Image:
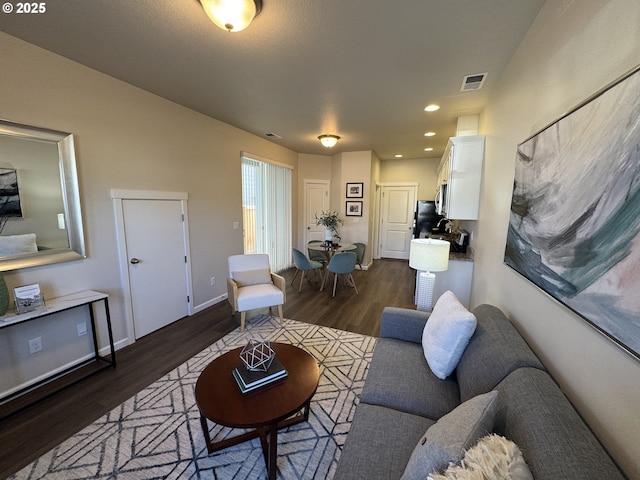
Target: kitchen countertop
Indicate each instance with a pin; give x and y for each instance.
(464, 257)
(454, 255)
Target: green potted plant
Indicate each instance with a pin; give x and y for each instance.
(330, 220)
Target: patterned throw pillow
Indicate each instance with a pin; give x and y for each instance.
(492, 457)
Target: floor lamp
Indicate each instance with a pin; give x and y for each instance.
(427, 255)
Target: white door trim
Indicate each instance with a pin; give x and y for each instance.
(118, 195)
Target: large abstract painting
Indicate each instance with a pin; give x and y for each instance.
(574, 227)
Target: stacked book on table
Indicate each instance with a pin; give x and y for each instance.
(249, 380)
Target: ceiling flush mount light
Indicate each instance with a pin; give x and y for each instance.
(429, 134)
(428, 149)
(432, 108)
(328, 140)
(232, 15)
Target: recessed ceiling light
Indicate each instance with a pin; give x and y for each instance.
(429, 134)
(432, 108)
(398, 155)
(428, 149)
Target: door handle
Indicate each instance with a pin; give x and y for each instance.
(135, 261)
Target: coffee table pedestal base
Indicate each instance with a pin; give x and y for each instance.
(268, 438)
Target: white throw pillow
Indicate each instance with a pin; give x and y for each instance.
(18, 244)
(445, 441)
(492, 457)
(446, 334)
(245, 278)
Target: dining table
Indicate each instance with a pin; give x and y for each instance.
(330, 250)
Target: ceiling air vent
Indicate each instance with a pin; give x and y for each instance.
(473, 82)
(272, 135)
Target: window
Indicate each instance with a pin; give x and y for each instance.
(266, 209)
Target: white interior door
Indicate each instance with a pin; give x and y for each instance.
(157, 262)
(316, 196)
(396, 220)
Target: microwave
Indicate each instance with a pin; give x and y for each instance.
(441, 200)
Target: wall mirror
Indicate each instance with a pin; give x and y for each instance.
(40, 216)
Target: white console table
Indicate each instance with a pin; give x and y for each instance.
(60, 304)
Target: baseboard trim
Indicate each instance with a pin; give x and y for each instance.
(210, 303)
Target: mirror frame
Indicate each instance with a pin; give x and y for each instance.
(70, 198)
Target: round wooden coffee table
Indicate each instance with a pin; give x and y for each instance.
(266, 409)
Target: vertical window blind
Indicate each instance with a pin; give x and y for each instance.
(266, 208)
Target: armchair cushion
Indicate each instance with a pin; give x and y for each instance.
(245, 278)
(259, 296)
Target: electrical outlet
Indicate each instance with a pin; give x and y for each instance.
(213, 281)
(236, 225)
(35, 345)
(81, 328)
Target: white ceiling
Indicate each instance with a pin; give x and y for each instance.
(362, 69)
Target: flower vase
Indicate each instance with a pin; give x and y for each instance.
(328, 236)
(4, 297)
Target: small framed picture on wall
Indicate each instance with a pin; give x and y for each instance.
(355, 190)
(354, 209)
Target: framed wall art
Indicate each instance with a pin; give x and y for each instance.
(574, 225)
(354, 209)
(355, 190)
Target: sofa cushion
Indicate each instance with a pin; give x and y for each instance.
(555, 442)
(447, 440)
(379, 443)
(446, 334)
(492, 457)
(495, 350)
(400, 378)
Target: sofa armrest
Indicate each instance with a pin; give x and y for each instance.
(403, 324)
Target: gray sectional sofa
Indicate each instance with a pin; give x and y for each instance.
(401, 398)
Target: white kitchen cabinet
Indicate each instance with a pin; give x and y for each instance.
(461, 171)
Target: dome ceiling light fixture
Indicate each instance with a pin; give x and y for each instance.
(328, 140)
(232, 15)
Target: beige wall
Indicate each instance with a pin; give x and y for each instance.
(423, 170)
(571, 51)
(126, 138)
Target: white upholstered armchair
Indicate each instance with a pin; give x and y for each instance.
(251, 285)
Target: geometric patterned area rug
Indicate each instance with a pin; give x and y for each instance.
(157, 433)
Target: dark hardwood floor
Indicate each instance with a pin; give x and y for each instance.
(31, 432)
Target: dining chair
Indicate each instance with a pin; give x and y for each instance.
(303, 264)
(252, 285)
(360, 248)
(317, 255)
(342, 263)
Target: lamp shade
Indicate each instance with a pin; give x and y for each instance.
(429, 255)
(232, 15)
